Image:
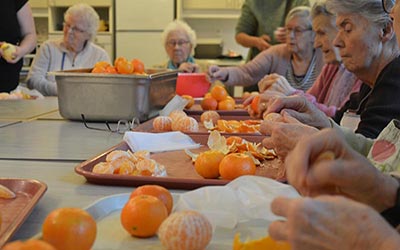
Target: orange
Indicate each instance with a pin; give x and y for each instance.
(190, 99)
(138, 66)
(124, 67)
(235, 165)
(227, 104)
(177, 114)
(209, 104)
(210, 115)
(207, 163)
(98, 70)
(157, 191)
(110, 70)
(32, 244)
(69, 229)
(254, 103)
(207, 95)
(162, 123)
(263, 243)
(218, 92)
(119, 59)
(142, 215)
(102, 64)
(185, 124)
(185, 230)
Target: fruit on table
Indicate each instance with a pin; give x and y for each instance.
(157, 191)
(226, 104)
(235, 165)
(185, 124)
(32, 244)
(8, 51)
(209, 103)
(185, 230)
(190, 101)
(177, 114)
(263, 243)
(142, 215)
(210, 115)
(69, 229)
(207, 163)
(162, 123)
(219, 93)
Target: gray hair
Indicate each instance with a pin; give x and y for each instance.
(299, 11)
(319, 9)
(87, 14)
(179, 25)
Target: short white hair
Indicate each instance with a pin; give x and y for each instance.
(87, 15)
(300, 11)
(179, 25)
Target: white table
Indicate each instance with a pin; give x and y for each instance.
(27, 109)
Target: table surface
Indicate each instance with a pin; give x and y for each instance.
(27, 109)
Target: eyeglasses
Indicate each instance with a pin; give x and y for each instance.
(73, 28)
(173, 43)
(122, 125)
(297, 31)
(388, 5)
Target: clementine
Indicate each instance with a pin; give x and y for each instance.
(124, 67)
(142, 215)
(138, 66)
(190, 99)
(110, 70)
(102, 64)
(218, 92)
(227, 104)
(185, 124)
(98, 70)
(209, 104)
(207, 163)
(254, 103)
(185, 230)
(177, 114)
(32, 244)
(210, 115)
(162, 123)
(69, 229)
(157, 191)
(235, 165)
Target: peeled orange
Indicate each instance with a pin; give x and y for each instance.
(29, 245)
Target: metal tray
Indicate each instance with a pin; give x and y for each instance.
(111, 235)
(15, 211)
(179, 166)
(113, 97)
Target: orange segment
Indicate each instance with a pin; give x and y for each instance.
(263, 243)
(6, 193)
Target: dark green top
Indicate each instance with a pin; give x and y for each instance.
(260, 17)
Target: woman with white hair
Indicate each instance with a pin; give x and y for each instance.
(297, 59)
(75, 50)
(179, 41)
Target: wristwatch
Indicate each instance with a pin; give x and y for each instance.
(392, 215)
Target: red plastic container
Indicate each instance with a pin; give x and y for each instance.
(193, 84)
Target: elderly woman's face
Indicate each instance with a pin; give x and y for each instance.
(325, 32)
(75, 34)
(358, 42)
(178, 46)
(299, 35)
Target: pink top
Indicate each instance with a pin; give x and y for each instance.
(332, 88)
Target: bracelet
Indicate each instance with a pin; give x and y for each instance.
(392, 215)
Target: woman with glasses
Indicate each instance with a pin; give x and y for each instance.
(297, 60)
(18, 28)
(334, 85)
(75, 50)
(179, 41)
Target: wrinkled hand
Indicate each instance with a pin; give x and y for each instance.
(349, 174)
(265, 99)
(301, 109)
(275, 82)
(262, 42)
(280, 34)
(331, 223)
(189, 67)
(216, 73)
(283, 136)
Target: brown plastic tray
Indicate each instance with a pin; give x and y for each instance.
(15, 211)
(179, 166)
(148, 125)
(238, 111)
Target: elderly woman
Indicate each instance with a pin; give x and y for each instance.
(75, 50)
(297, 60)
(368, 47)
(334, 85)
(179, 41)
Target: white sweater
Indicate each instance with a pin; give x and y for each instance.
(50, 58)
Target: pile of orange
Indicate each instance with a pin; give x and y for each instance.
(218, 99)
(121, 66)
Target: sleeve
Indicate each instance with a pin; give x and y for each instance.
(247, 22)
(253, 71)
(37, 74)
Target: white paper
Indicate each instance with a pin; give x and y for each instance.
(159, 142)
(243, 199)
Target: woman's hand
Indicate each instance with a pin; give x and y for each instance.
(280, 34)
(348, 173)
(331, 223)
(262, 42)
(189, 67)
(275, 82)
(216, 73)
